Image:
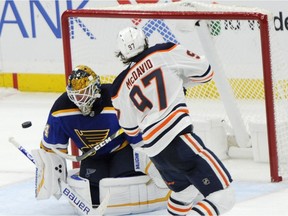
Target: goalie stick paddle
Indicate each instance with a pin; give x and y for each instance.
(67, 190)
(91, 151)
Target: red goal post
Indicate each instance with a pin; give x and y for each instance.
(152, 12)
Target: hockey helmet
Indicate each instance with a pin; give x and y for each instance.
(83, 88)
(131, 41)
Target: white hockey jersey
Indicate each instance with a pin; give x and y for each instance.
(149, 96)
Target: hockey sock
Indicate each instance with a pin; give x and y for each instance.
(175, 207)
(205, 207)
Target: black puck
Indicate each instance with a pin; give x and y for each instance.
(26, 124)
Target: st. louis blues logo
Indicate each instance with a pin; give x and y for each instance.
(90, 138)
(89, 171)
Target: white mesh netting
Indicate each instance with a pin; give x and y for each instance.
(236, 49)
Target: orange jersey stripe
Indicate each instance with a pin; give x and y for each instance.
(206, 208)
(165, 122)
(203, 79)
(209, 158)
(132, 133)
(179, 209)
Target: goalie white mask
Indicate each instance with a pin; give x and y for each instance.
(83, 88)
(131, 41)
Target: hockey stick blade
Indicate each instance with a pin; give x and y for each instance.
(91, 151)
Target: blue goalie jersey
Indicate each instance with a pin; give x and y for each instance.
(66, 122)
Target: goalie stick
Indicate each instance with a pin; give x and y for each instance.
(69, 192)
(91, 151)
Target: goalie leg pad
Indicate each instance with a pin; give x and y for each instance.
(80, 187)
(142, 163)
(131, 195)
(49, 169)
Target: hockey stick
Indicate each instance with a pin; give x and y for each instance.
(23, 150)
(91, 151)
(81, 204)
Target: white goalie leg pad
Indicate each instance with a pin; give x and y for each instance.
(49, 169)
(80, 185)
(142, 163)
(131, 195)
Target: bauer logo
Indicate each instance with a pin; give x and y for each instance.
(137, 161)
(76, 201)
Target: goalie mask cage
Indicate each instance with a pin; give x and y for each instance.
(250, 84)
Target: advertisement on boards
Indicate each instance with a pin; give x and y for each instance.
(31, 38)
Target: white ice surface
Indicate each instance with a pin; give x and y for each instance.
(255, 194)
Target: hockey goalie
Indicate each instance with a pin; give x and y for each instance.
(119, 178)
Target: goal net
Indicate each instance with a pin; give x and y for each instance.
(245, 107)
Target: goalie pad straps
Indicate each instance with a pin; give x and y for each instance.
(131, 195)
(49, 168)
(142, 163)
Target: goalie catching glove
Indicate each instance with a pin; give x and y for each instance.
(49, 169)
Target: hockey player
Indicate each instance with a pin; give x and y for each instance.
(150, 100)
(84, 114)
